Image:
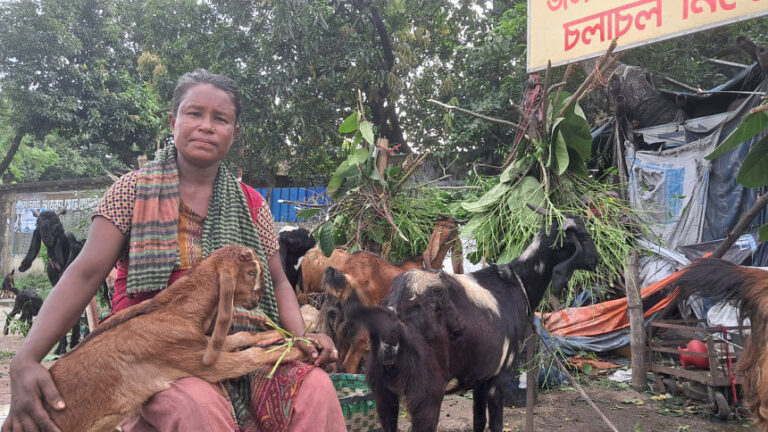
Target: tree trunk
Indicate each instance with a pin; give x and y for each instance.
(15, 143)
(383, 110)
(636, 327)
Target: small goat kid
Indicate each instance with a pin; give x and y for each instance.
(294, 243)
(27, 303)
(145, 348)
(366, 278)
(437, 332)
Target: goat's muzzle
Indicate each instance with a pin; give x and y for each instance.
(388, 353)
(252, 302)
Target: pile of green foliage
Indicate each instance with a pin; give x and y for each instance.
(549, 171)
(375, 212)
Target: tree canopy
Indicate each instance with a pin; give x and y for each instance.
(85, 84)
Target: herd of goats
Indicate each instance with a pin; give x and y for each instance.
(427, 331)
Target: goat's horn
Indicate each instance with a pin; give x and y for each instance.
(539, 210)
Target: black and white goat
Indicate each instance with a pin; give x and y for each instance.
(436, 332)
(27, 303)
(62, 249)
(294, 243)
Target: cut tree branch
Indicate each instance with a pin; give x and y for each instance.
(474, 114)
(727, 63)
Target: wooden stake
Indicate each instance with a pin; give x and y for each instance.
(381, 159)
(531, 378)
(636, 327)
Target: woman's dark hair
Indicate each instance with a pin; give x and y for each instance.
(202, 76)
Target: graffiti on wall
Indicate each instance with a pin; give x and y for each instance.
(79, 205)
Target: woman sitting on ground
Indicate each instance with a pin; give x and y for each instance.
(156, 222)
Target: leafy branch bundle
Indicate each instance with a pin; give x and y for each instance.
(373, 208)
(548, 169)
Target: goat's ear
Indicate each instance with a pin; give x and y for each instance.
(457, 257)
(261, 285)
(61, 211)
(430, 253)
(34, 248)
(35, 213)
(562, 271)
(227, 280)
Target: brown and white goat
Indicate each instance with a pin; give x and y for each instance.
(437, 332)
(366, 278)
(748, 287)
(145, 348)
(312, 267)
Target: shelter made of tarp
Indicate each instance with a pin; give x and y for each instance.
(682, 197)
(603, 326)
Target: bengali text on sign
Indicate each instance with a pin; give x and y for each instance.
(561, 31)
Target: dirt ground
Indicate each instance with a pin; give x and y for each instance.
(557, 410)
(627, 410)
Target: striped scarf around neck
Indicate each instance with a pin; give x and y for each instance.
(153, 249)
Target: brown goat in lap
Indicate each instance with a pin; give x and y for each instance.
(143, 349)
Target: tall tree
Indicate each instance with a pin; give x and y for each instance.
(65, 68)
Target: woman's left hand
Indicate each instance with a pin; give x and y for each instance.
(322, 351)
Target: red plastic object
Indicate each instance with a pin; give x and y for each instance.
(694, 346)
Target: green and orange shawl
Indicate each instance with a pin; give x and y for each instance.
(154, 252)
(153, 248)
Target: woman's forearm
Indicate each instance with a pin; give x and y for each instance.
(290, 315)
(60, 311)
(77, 286)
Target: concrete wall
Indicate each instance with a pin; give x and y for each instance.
(17, 223)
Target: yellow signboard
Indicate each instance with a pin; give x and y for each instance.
(562, 31)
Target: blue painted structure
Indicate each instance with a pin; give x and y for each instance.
(283, 212)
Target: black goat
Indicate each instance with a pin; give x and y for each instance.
(27, 303)
(62, 249)
(437, 332)
(294, 243)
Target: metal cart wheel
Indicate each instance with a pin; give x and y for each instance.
(720, 405)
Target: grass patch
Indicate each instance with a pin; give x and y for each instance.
(7, 355)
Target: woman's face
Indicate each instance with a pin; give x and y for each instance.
(204, 126)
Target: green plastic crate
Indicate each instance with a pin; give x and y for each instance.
(357, 402)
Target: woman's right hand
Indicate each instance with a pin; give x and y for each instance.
(30, 384)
